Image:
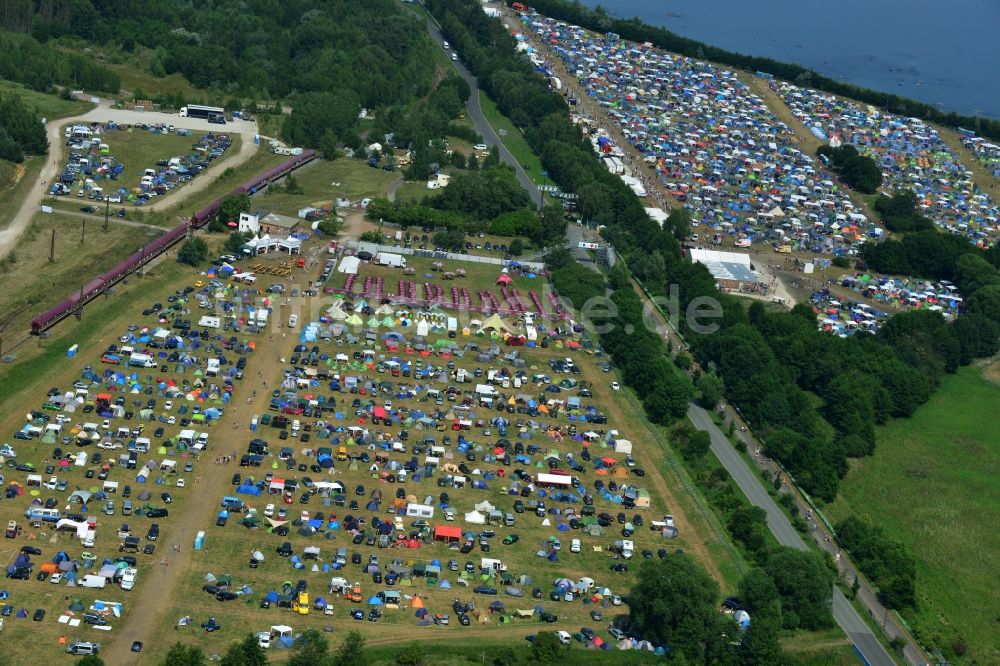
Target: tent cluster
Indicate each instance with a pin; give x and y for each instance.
(847, 318)
(710, 141)
(912, 156)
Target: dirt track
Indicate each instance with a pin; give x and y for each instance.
(101, 113)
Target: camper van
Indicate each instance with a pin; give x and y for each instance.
(45, 515)
(92, 581)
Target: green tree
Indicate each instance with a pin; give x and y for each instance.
(246, 652)
(450, 239)
(516, 247)
(759, 595)
(231, 206)
(986, 302)
(504, 656)
(371, 237)
(712, 388)
(193, 252)
(806, 587)
(546, 648)
(669, 400)
(184, 655)
(678, 223)
(411, 654)
(309, 649)
(759, 643)
(331, 226)
(748, 525)
(351, 651)
(675, 601)
(236, 241)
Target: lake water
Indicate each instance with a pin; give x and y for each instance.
(942, 53)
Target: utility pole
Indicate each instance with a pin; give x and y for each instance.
(52, 247)
(107, 210)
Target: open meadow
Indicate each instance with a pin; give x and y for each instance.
(932, 484)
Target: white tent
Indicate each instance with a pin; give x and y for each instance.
(475, 518)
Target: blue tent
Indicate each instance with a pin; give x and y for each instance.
(374, 600)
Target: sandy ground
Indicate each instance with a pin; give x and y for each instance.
(104, 113)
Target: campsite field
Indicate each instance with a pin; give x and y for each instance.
(930, 485)
(138, 150)
(228, 548)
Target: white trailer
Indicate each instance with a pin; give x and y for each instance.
(391, 259)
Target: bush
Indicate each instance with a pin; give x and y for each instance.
(194, 252)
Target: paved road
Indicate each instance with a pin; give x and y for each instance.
(489, 135)
(751, 485)
(103, 112)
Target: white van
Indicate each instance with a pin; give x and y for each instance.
(574, 546)
(293, 319)
(564, 637)
(128, 579)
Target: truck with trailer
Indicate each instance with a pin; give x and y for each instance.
(207, 112)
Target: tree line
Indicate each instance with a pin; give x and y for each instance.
(21, 130)
(635, 30)
(40, 66)
(859, 172)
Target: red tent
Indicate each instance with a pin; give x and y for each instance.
(447, 533)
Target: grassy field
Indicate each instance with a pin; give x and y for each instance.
(323, 181)
(932, 484)
(33, 284)
(46, 106)
(15, 182)
(133, 68)
(514, 140)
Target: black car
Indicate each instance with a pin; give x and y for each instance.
(548, 617)
(95, 619)
(225, 595)
(237, 479)
(153, 532)
(39, 615)
(157, 513)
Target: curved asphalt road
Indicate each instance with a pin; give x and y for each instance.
(489, 135)
(750, 483)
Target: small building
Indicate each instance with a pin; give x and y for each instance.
(264, 222)
(731, 270)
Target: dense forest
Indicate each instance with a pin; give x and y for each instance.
(261, 49)
(329, 59)
(635, 30)
(21, 130)
(41, 66)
